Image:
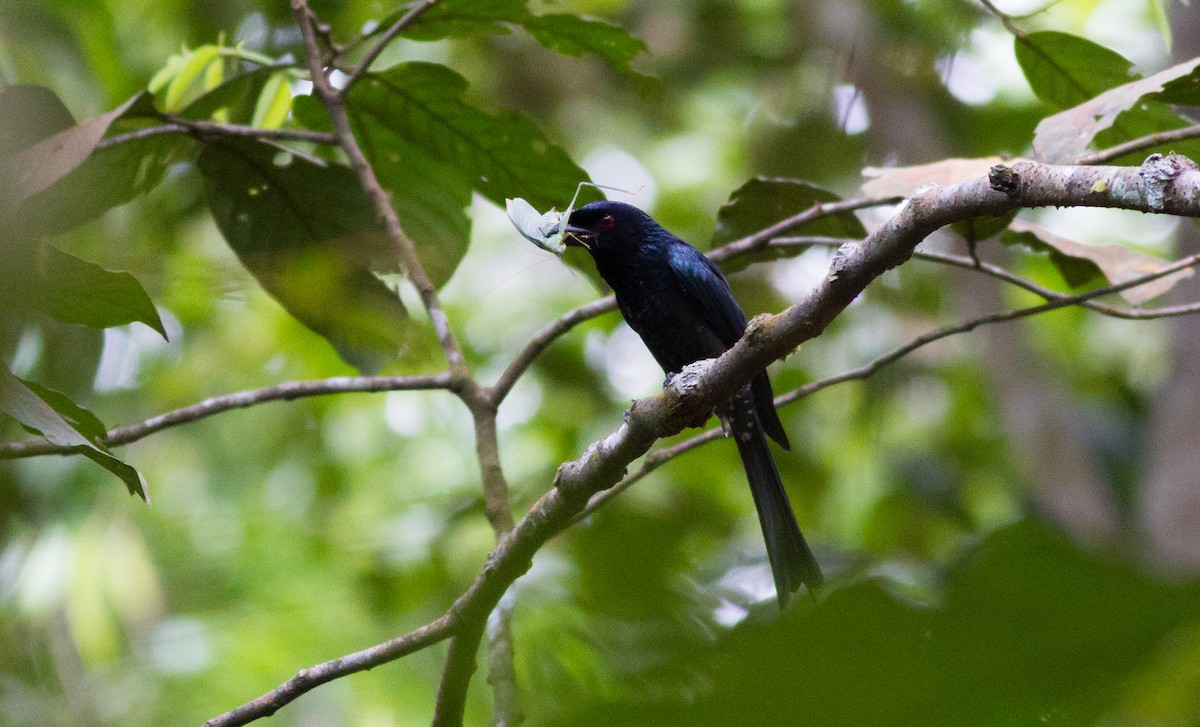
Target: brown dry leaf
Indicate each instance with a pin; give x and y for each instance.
(1065, 136)
(1117, 263)
(903, 181)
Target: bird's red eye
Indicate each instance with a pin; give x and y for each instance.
(606, 221)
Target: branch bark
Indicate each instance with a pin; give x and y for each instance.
(286, 391)
(1170, 185)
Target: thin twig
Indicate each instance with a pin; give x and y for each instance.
(371, 55)
(1005, 18)
(756, 241)
(177, 125)
(237, 400)
(312, 677)
(995, 271)
(543, 338)
(1150, 140)
(217, 129)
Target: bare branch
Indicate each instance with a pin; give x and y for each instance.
(759, 239)
(176, 125)
(415, 270)
(211, 128)
(237, 400)
(995, 271)
(371, 55)
(315, 676)
(1146, 142)
(501, 673)
(543, 338)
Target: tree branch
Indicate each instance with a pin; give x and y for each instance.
(995, 271)
(1169, 185)
(460, 663)
(176, 125)
(315, 676)
(371, 55)
(1145, 142)
(543, 338)
(237, 400)
(414, 269)
(1055, 300)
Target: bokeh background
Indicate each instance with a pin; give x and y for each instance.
(1008, 517)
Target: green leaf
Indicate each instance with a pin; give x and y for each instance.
(237, 97)
(572, 35)
(64, 423)
(193, 66)
(981, 228)
(1065, 70)
(459, 18)
(762, 202)
(80, 419)
(429, 197)
(72, 290)
(1063, 137)
(504, 154)
(274, 103)
(309, 235)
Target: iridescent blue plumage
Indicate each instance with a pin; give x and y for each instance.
(677, 300)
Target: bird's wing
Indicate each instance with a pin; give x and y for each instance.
(707, 288)
(704, 284)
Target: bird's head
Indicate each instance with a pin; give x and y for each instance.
(609, 227)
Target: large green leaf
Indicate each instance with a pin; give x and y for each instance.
(429, 197)
(573, 35)
(462, 17)
(1065, 70)
(62, 422)
(504, 154)
(309, 235)
(72, 290)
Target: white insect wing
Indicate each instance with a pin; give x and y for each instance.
(546, 230)
(541, 230)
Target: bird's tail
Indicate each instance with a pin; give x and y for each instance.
(792, 562)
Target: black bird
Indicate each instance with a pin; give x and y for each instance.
(680, 304)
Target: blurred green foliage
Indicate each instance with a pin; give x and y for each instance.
(293, 532)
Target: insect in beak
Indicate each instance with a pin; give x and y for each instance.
(578, 237)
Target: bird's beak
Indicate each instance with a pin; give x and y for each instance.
(578, 237)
